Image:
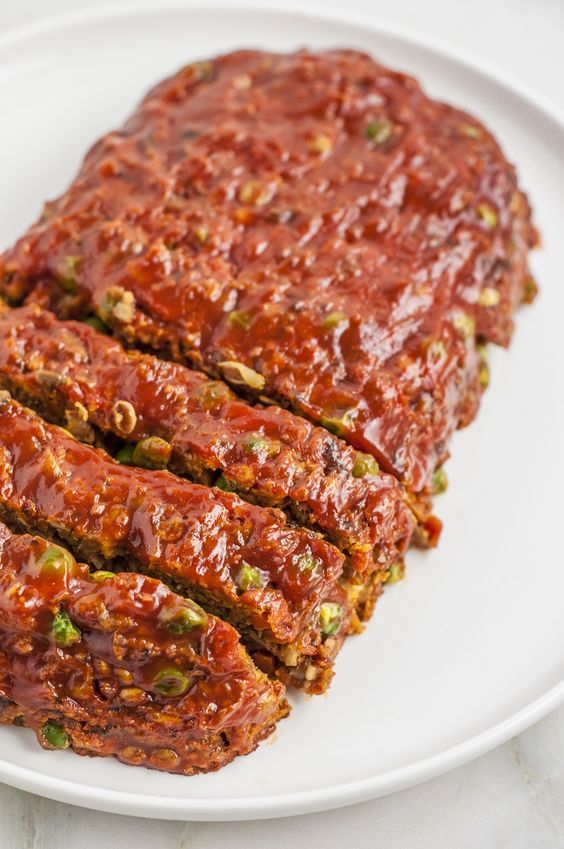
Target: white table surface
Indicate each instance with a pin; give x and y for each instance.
(512, 798)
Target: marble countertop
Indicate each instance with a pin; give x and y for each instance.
(512, 798)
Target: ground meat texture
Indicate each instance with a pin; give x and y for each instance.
(311, 227)
(78, 377)
(120, 665)
(280, 585)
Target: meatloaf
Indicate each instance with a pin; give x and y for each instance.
(310, 227)
(282, 586)
(120, 665)
(160, 414)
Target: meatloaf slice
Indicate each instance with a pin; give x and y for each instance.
(120, 665)
(281, 586)
(311, 227)
(76, 376)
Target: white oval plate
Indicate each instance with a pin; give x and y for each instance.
(469, 649)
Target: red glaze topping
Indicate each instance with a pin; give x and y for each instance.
(123, 663)
(245, 557)
(76, 375)
(315, 218)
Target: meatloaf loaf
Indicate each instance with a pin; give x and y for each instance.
(310, 227)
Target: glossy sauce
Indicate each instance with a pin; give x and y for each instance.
(266, 453)
(159, 523)
(313, 216)
(101, 688)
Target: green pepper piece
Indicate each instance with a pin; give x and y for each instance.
(257, 444)
(240, 319)
(101, 575)
(249, 578)
(152, 453)
(330, 617)
(67, 280)
(54, 736)
(171, 682)
(364, 464)
(307, 563)
(379, 131)
(63, 631)
(439, 481)
(224, 484)
(396, 573)
(338, 422)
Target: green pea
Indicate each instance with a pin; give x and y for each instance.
(364, 464)
(54, 736)
(439, 481)
(63, 631)
(125, 455)
(171, 682)
(378, 131)
(184, 619)
(249, 578)
(97, 324)
(330, 617)
(56, 562)
(152, 453)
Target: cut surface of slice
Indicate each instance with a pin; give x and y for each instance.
(165, 415)
(269, 579)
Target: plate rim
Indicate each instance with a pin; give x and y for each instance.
(361, 790)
